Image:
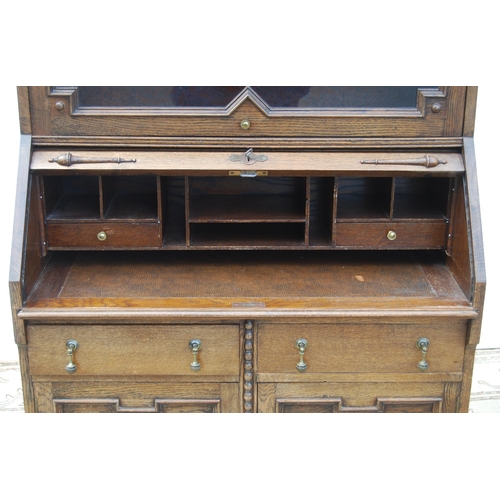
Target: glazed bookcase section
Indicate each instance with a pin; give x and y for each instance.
(300, 113)
(215, 212)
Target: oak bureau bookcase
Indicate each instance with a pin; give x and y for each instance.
(247, 249)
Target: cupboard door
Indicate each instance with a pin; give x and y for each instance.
(135, 396)
(112, 405)
(382, 405)
(363, 397)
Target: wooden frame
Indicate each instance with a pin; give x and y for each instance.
(432, 281)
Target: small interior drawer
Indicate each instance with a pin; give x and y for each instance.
(391, 234)
(361, 348)
(103, 234)
(126, 350)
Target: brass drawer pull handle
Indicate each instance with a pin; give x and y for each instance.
(71, 346)
(423, 345)
(195, 346)
(301, 345)
(391, 235)
(101, 236)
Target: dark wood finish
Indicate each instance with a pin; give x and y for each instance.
(391, 280)
(119, 235)
(431, 234)
(247, 263)
(279, 163)
(420, 121)
(135, 350)
(135, 396)
(470, 111)
(18, 266)
(239, 213)
(112, 405)
(346, 348)
(355, 398)
(382, 405)
(24, 110)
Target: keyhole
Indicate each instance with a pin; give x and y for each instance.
(248, 154)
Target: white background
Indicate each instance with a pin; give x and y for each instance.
(488, 162)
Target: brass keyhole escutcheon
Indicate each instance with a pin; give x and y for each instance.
(245, 124)
(101, 236)
(391, 235)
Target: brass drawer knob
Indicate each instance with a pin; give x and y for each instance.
(195, 346)
(423, 345)
(245, 124)
(101, 236)
(301, 345)
(391, 235)
(71, 346)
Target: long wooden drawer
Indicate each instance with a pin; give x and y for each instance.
(361, 348)
(124, 350)
(103, 234)
(391, 234)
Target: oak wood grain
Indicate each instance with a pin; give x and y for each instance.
(355, 396)
(137, 350)
(361, 348)
(407, 122)
(219, 163)
(225, 274)
(24, 110)
(470, 111)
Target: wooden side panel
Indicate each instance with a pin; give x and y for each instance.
(470, 111)
(20, 209)
(24, 110)
(28, 393)
(35, 248)
(474, 210)
(455, 112)
(40, 111)
(466, 386)
(476, 238)
(18, 238)
(459, 260)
